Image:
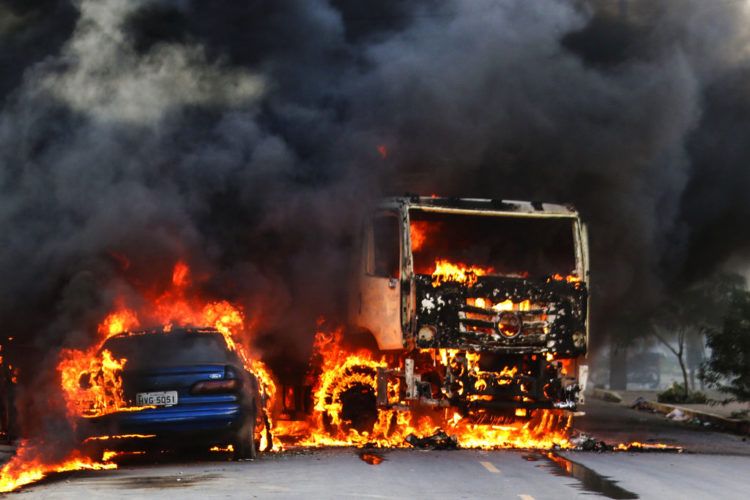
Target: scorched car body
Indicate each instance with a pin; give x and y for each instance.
(197, 389)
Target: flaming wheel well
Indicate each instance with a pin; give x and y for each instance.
(347, 400)
(359, 407)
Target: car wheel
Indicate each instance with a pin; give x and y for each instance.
(244, 441)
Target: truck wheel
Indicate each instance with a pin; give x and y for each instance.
(244, 441)
(359, 409)
(347, 399)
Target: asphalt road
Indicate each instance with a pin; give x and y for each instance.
(714, 465)
(417, 474)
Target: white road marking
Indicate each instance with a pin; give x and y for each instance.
(272, 487)
(525, 497)
(490, 467)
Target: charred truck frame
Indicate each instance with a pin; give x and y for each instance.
(479, 305)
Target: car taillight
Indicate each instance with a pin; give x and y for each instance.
(215, 386)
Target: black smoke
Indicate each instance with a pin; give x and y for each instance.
(243, 136)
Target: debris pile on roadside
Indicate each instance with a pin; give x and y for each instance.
(642, 404)
(584, 442)
(677, 415)
(438, 441)
(691, 416)
(371, 457)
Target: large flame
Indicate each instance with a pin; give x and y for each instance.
(343, 370)
(91, 378)
(91, 383)
(462, 273)
(26, 466)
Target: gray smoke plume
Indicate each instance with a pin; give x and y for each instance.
(243, 136)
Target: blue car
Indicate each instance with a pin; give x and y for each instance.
(201, 393)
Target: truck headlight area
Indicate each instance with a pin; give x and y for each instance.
(509, 324)
(426, 333)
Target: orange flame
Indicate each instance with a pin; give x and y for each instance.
(180, 274)
(446, 271)
(119, 436)
(569, 278)
(26, 467)
(91, 382)
(91, 379)
(117, 322)
(343, 370)
(92, 385)
(110, 455)
(222, 449)
(418, 231)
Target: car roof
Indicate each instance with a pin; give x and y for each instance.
(168, 331)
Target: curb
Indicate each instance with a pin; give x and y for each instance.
(733, 425)
(606, 395)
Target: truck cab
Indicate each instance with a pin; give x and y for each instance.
(482, 304)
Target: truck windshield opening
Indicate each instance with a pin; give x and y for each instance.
(523, 247)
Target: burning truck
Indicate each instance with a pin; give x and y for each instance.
(477, 306)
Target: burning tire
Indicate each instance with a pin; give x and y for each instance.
(359, 408)
(244, 441)
(350, 402)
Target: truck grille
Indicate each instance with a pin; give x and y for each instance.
(532, 321)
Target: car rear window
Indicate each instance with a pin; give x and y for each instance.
(170, 349)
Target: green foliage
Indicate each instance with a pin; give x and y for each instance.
(740, 414)
(711, 298)
(728, 368)
(677, 394)
(680, 322)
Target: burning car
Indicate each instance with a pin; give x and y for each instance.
(477, 305)
(183, 387)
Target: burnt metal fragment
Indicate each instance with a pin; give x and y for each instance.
(371, 457)
(438, 441)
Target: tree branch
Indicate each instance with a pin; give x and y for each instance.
(661, 339)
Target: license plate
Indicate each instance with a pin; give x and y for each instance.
(166, 398)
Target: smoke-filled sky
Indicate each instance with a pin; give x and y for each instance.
(243, 135)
